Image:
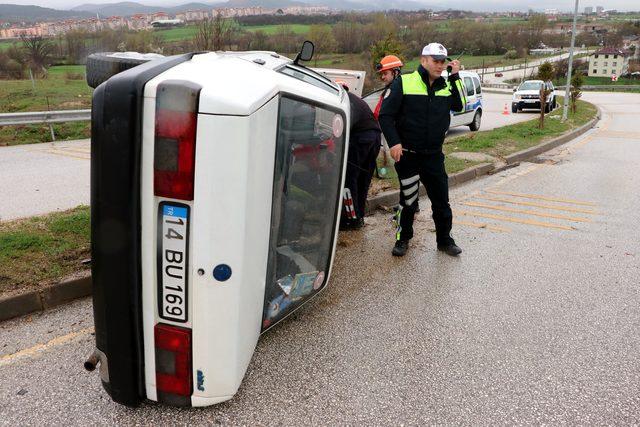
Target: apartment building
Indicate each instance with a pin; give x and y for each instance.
(608, 61)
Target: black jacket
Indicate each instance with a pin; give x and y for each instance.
(362, 119)
(419, 122)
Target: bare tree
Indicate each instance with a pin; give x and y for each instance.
(214, 33)
(322, 38)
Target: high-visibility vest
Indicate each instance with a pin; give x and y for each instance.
(412, 84)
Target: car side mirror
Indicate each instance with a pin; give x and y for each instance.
(306, 53)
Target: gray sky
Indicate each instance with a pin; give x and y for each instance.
(467, 4)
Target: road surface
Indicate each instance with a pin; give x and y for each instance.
(538, 321)
(50, 177)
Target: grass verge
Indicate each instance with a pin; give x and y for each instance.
(513, 138)
(41, 250)
(64, 88)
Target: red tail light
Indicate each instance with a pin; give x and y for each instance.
(175, 139)
(173, 360)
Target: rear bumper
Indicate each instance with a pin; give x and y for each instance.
(116, 131)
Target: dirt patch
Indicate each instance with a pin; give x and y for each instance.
(69, 104)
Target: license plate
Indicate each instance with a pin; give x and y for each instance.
(173, 239)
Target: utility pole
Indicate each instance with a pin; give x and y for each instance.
(567, 90)
(524, 75)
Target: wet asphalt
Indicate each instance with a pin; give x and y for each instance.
(537, 322)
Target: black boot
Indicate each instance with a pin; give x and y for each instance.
(352, 224)
(400, 248)
(450, 249)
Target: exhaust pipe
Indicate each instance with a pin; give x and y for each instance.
(92, 362)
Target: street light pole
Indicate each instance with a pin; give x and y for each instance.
(567, 91)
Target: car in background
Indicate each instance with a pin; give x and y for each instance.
(527, 96)
(498, 74)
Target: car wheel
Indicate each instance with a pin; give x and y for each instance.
(101, 66)
(475, 124)
(547, 108)
(514, 109)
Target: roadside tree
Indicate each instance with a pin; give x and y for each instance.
(38, 53)
(576, 90)
(545, 73)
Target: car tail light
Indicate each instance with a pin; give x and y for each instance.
(173, 364)
(175, 139)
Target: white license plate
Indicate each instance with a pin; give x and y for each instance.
(531, 101)
(173, 238)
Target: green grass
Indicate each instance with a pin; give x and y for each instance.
(273, 29)
(177, 34)
(188, 32)
(513, 138)
(62, 93)
(43, 249)
(34, 134)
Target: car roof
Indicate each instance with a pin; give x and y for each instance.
(239, 83)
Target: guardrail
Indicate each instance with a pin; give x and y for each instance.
(37, 117)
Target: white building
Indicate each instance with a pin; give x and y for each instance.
(607, 62)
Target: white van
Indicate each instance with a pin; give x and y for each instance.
(215, 200)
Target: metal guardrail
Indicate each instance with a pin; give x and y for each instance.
(37, 117)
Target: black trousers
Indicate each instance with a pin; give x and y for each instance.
(361, 163)
(412, 169)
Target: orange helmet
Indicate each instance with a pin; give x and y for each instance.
(389, 62)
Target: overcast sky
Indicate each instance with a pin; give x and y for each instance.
(467, 4)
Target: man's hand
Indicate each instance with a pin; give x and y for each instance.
(455, 66)
(396, 152)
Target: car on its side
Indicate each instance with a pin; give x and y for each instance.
(527, 96)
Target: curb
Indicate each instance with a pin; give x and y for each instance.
(70, 290)
(391, 197)
(46, 298)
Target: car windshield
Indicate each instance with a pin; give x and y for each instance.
(530, 86)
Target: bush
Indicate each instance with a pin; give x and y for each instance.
(512, 54)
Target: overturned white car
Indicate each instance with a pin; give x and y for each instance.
(215, 197)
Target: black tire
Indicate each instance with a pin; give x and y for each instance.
(101, 66)
(547, 108)
(477, 119)
(514, 109)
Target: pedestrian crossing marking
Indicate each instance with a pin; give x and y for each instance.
(538, 197)
(537, 205)
(516, 220)
(526, 212)
(482, 225)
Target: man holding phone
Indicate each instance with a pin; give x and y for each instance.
(414, 118)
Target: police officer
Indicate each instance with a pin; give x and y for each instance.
(414, 119)
(364, 146)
